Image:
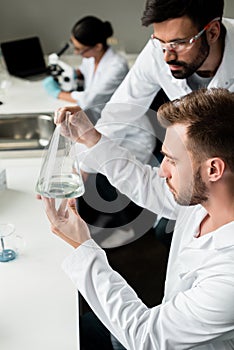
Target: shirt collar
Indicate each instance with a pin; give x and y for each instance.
(221, 238)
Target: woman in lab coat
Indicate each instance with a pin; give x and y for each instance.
(102, 69)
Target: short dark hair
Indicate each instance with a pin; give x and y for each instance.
(201, 12)
(209, 115)
(91, 30)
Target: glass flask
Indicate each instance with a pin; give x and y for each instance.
(60, 175)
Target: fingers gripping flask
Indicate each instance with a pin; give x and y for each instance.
(60, 175)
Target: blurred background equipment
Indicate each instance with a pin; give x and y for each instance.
(24, 57)
(62, 72)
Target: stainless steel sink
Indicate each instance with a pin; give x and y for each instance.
(25, 131)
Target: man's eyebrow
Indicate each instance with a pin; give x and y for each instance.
(165, 154)
(171, 41)
(167, 42)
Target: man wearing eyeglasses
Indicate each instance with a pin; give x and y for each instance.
(177, 47)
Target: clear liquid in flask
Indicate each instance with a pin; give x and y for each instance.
(61, 186)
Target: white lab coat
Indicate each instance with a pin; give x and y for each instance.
(99, 85)
(198, 306)
(98, 89)
(123, 118)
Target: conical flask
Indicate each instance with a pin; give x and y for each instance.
(60, 175)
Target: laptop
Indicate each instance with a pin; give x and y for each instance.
(24, 58)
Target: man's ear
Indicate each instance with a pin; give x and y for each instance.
(213, 32)
(215, 169)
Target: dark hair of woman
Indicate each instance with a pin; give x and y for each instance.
(90, 31)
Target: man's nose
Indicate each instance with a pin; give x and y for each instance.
(167, 53)
(164, 170)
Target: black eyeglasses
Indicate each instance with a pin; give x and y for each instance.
(180, 45)
(81, 52)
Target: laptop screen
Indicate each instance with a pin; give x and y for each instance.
(24, 57)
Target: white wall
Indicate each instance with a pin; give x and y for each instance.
(52, 20)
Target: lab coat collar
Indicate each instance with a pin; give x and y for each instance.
(224, 76)
(105, 59)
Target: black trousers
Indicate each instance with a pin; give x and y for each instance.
(94, 335)
(105, 209)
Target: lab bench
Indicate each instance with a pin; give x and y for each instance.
(38, 302)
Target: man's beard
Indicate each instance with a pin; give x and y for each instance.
(195, 193)
(189, 68)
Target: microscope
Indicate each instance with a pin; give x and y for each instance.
(62, 73)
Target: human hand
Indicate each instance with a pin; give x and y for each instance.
(62, 113)
(51, 87)
(66, 223)
(78, 127)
